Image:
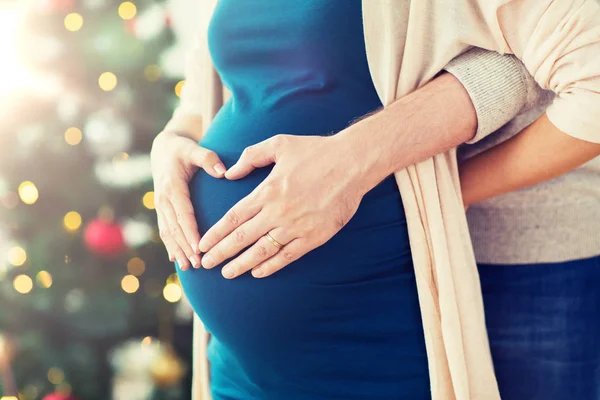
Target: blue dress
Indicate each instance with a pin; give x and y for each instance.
(343, 322)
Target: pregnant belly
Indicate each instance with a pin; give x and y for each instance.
(337, 293)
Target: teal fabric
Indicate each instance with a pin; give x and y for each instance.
(342, 322)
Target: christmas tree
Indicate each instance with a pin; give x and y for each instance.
(89, 305)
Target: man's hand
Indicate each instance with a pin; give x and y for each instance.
(175, 159)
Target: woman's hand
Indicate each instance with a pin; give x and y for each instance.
(313, 190)
(175, 159)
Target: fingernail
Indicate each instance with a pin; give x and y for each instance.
(227, 272)
(258, 273)
(182, 265)
(194, 249)
(220, 168)
(171, 258)
(208, 262)
(194, 261)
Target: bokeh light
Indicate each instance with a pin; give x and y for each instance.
(148, 200)
(172, 292)
(107, 81)
(73, 136)
(28, 192)
(17, 256)
(179, 88)
(130, 284)
(56, 376)
(73, 22)
(23, 284)
(152, 72)
(147, 341)
(127, 10)
(136, 266)
(44, 279)
(72, 221)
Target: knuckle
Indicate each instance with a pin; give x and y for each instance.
(232, 217)
(262, 251)
(239, 235)
(163, 234)
(288, 255)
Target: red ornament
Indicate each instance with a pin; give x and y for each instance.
(104, 237)
(58, 396)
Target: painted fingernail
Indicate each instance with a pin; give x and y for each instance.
(207, 261)
(227, 272)
(258, 273)
(220, 168)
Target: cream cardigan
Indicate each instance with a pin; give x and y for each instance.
(408, 43)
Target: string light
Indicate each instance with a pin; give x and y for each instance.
(148, 200)
(179, 88)
(173, 278)
(56, 376)
(130, 284)
(73, 22)
(23, 284)
(107, 81)
(44, 279)
(72, 221)
(152, 72)
(28, 192)
(136, 266)
(73, 136)
(17, 256)
(172, 292)
(127, 10)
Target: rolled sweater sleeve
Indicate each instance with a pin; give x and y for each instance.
(499, 87)
(559, 44)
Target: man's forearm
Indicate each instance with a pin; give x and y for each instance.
(432, 120)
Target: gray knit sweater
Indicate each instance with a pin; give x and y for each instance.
(552, 222)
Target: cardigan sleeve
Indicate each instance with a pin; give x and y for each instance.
(559, 44)
(499, 87)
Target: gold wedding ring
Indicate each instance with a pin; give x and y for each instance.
(275, 242)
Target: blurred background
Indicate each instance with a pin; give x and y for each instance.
(90, 307)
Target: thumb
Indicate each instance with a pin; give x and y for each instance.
(208, 160)
(255, 156)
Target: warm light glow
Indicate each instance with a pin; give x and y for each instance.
(12, 73)
(130, 284)
(122, 156)
(73, 136)
(127, 10)
(73, 22)
(56, 376)
(28, 192)
(152, 72)
(107, 81)
(148, 200)
(147, 341)
(8, 398)
(17, 256)
(23, 284)
(172, 292)
(136, 266)
(179, 88)
(72, 221)
(173, 278)
(44, 279)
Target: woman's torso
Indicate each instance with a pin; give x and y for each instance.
(343, 321)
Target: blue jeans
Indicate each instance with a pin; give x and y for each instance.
(543, 322)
